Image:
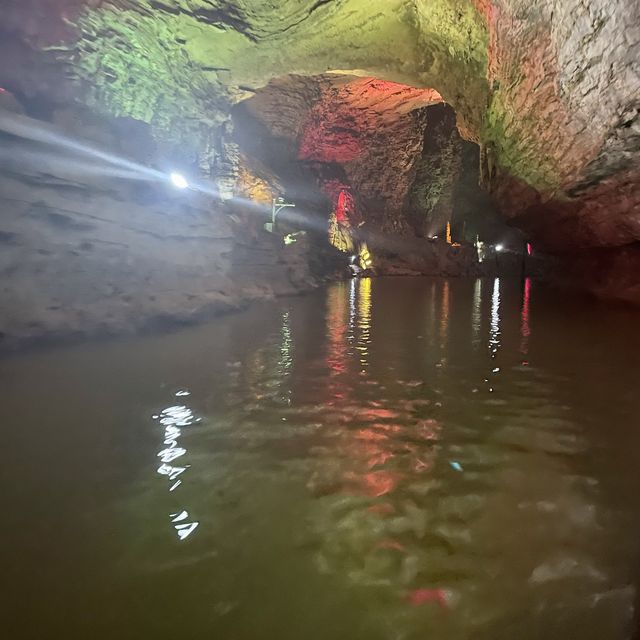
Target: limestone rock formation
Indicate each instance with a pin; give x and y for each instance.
(548, 89)
(395, 149)
(438, 169)
(372, 130)
(86, 253)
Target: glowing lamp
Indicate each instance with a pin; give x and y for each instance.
(499, 247)
(178, 180)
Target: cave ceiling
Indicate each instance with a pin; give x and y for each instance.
(550, 89)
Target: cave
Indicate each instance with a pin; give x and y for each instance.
(320, 318)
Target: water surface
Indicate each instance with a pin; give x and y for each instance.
(383, 459)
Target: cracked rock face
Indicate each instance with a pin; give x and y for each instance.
(374, 130)
(393, 149)
(562, 133)
(549, 88)
(367, 138)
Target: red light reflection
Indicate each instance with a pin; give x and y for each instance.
(525, 328)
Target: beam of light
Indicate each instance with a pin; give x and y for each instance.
(117, 166)
(171, 472)
(178, 517)
(431, 327)
(22, 159)
(93, 161)
(30, 129)
(178, 180)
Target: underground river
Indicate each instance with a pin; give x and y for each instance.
(381, 459)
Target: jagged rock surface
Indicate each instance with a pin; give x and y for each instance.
(85, 253)
(438, 169)
(396, 149)
(549, 87)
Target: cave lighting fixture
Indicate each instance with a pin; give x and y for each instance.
(499, 247)
(178, 180)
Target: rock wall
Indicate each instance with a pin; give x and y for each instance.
(430, 204)
(609, 274)
(548, 88)
(88, 253)
(475, 211)
(374, 130)
(362, 134)
(395, 148)
(562, 132)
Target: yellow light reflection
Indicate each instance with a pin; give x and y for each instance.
(364, 320)
(525, 327)
(337, 329)
(444, 314)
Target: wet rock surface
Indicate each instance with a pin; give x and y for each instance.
(85, 253)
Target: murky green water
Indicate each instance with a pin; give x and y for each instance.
(387, 459)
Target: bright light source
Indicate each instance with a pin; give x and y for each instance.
(178, 180)
(499, 247)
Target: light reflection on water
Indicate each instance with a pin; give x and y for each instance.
(364, 320)
(525, 328)
(494, 332)
(444, 314)
(173, 419)
(372, 461)
(476, 318)
(285, 363)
